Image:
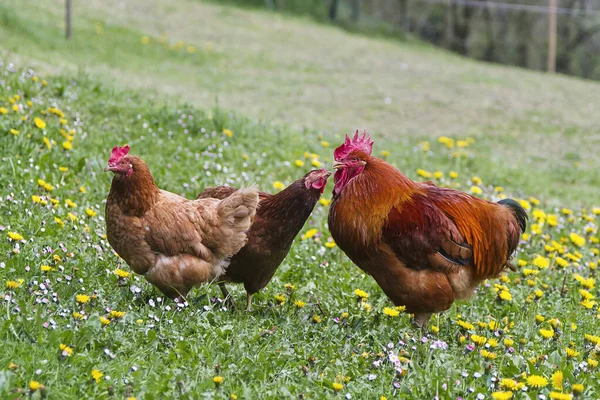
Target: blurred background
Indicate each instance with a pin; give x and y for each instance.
(408, 71)
(555, 35)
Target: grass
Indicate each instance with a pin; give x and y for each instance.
(535, 132)
(160, 99)
(279, 350)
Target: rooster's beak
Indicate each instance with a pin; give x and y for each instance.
(337, 164)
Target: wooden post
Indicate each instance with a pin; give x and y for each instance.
(552, 36)
(449, 31)
(68, 19)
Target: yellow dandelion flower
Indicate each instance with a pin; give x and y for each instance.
(385, 153)
(3, 110)
(592, 363)
(541, 262)
(361, 294)
(14, 132)
(82, 298)
(479, 340)
(39, 123)
(576, 239)
(77, 315)
(65, 349)
(330, 244)
(537, 381)
(316, 319)
(15, 236)
(227, 132)
(280, 298)
(525, 204)
(453, 175)
(116, 314)
(96, 375)
(502, 395)
(466, 325)
(67, 145)
(423, 173)
(13, 284)
(560, 396)
(337, 386)
(571, 353)
(561, 262)
(578, 388)
(505, 295)
(121, 273)
(391, 312)
(278, 185)
(299, 303)
(310, 233)
(59, 222)
(34, 385)
(145, 40)
(488, 354)
(46, 268)
(510, 384)
(557, 380)
(508, 342)
(316, 163)
(299, 163)
(325, 143)
(476, 190)
(105, 321)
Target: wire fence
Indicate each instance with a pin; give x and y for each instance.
(543, 9)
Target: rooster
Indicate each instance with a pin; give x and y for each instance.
(426, 246)
(279, 218)
(174, 242)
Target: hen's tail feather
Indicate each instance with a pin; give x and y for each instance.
(236, 214)
(518, 211)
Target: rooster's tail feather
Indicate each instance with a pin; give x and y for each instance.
(518, 211)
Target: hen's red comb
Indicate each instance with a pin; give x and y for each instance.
(363, 143)
(117, 153)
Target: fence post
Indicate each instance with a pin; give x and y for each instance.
(552, 36)
(68, 19)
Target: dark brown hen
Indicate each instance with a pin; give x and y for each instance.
(279, 218)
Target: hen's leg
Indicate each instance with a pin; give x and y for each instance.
(228, 299)
(420, 320)
(248, 301)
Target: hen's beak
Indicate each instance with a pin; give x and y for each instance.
(337, 164)
(110, 168)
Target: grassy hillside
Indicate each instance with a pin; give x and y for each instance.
(62, 283)
(535, 132)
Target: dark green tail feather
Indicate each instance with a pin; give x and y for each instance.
(519, 212)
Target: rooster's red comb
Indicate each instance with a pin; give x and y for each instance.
(363, 143)
(117, 153)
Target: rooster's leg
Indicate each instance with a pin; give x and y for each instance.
(248, 301)
(228, 299)
(420, 320)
